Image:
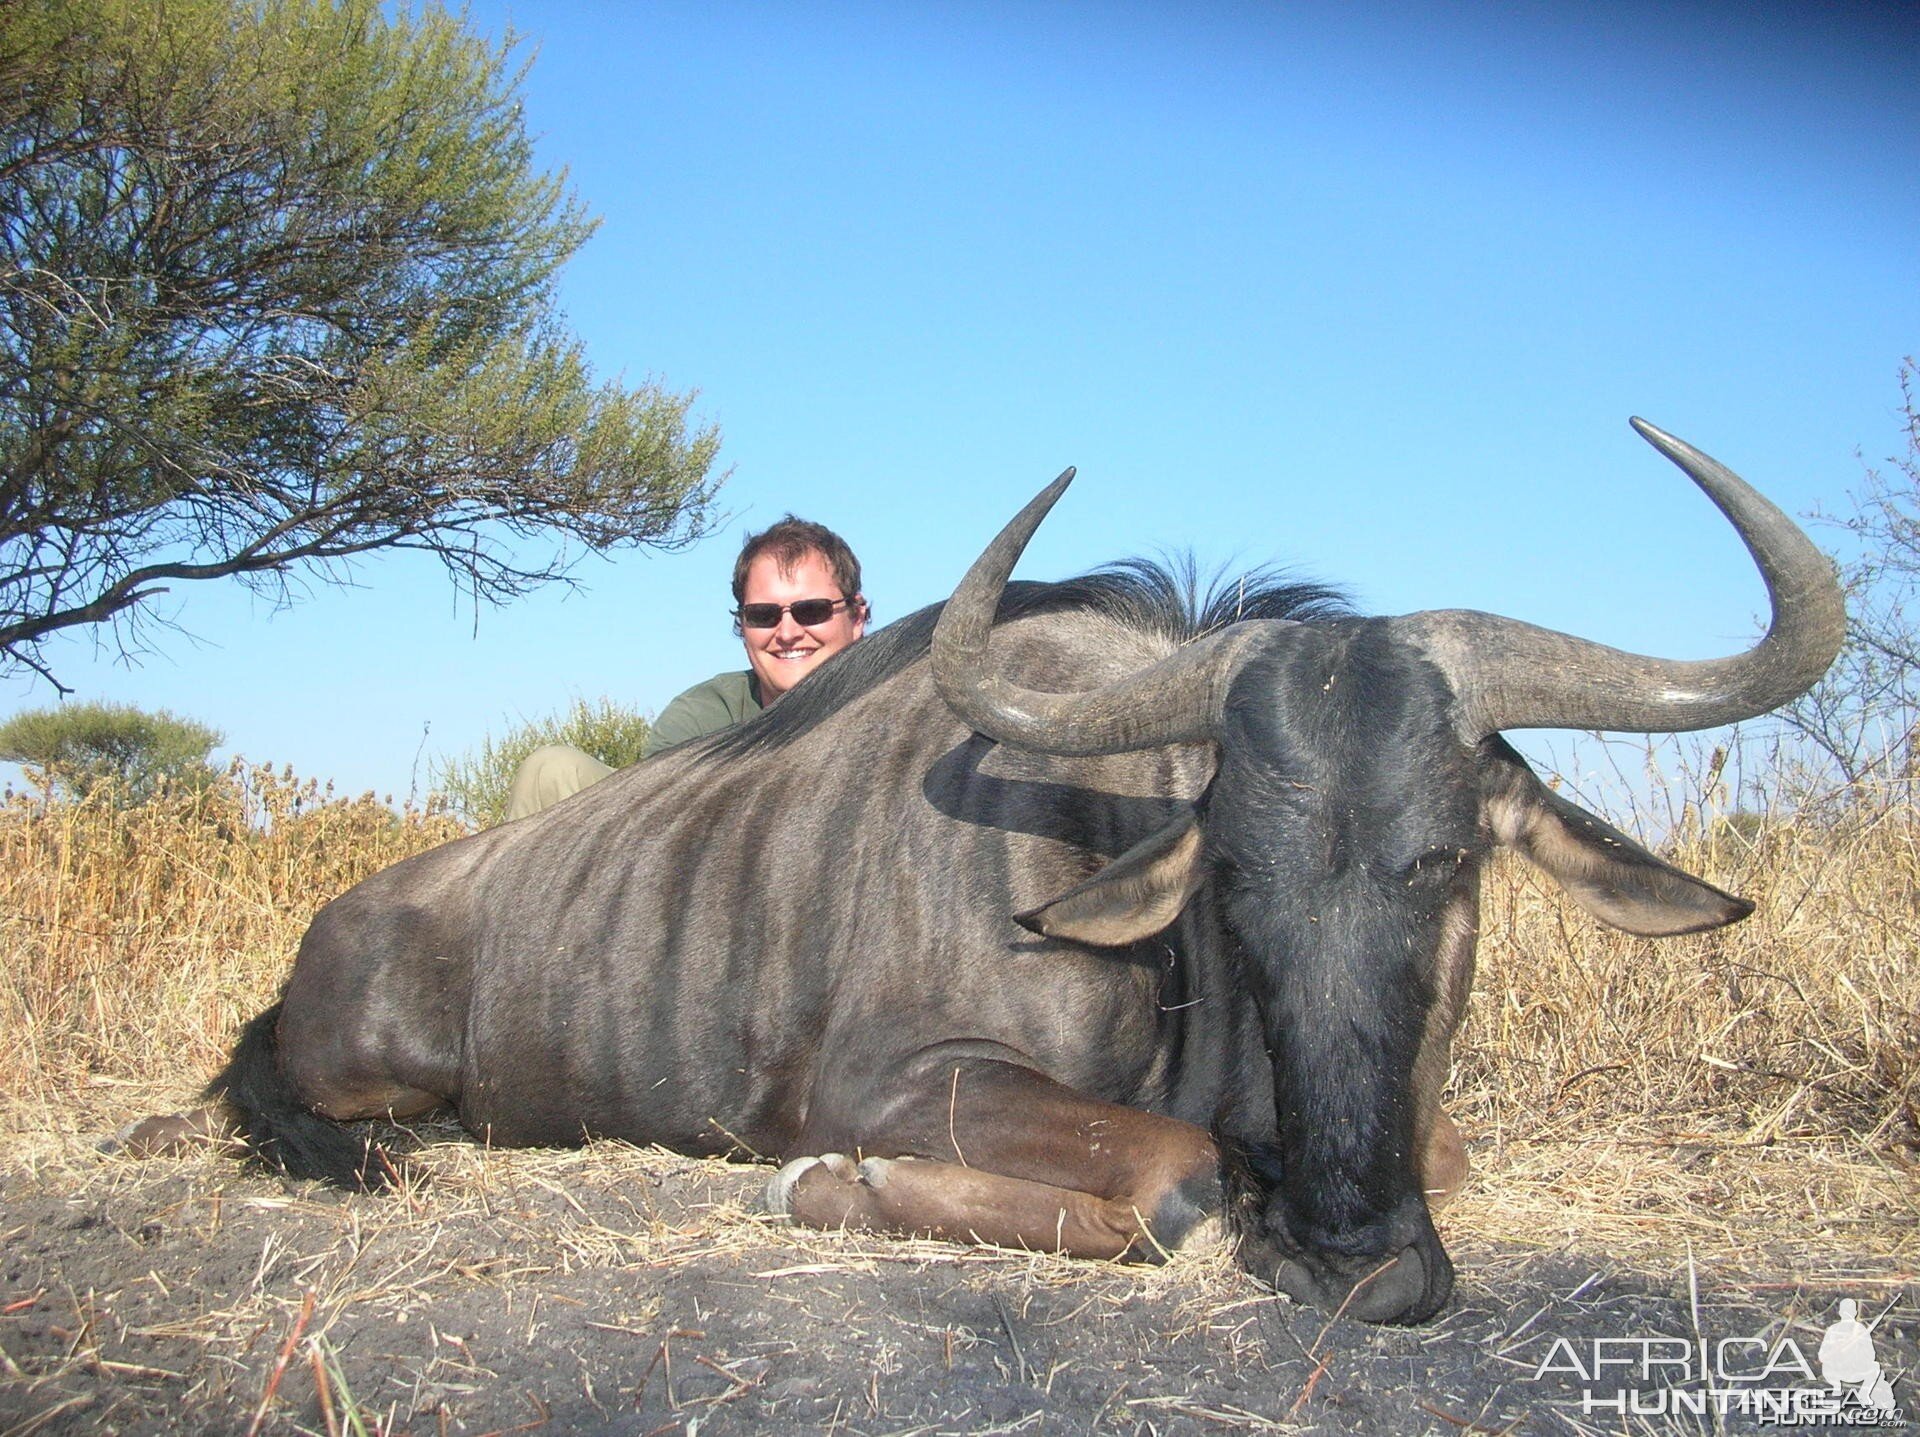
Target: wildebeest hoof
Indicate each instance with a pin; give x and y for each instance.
(1206, 1237)
(777, 1197)
(129, 1138)
(1191, 1218)
(874, 1172)
(171, 1133)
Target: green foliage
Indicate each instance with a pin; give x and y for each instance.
(113, 749)
(277, 290)
(476, 784)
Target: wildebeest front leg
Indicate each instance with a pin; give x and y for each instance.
(915, 1196)
(1006, 1155)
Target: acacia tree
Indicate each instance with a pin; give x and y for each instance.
(126, 752)
(277, 290)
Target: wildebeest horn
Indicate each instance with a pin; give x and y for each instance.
(1174, 701)
(1506, 674)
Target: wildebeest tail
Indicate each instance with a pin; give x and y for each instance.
(282, 1130)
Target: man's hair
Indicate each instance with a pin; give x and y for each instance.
(790, 541)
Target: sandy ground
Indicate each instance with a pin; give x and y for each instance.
(618, 1291)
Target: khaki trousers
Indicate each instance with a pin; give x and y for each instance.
(549, 774)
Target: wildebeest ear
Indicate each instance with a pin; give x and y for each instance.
(1133, 897)
(1603, 870)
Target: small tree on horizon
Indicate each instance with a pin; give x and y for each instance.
(127, 753)
(277, 290)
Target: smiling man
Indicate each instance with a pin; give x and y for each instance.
(797, 602)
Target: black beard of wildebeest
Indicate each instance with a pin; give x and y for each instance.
(1145, 925)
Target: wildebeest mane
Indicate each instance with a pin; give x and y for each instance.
(1163, 598)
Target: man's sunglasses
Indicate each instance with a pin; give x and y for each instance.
(806, 613)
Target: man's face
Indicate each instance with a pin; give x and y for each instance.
(788, 652)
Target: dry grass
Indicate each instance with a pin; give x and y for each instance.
(1755, 1091)
(1752, 1094)
(134, 942)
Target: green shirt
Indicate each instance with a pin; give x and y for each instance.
(721, 702)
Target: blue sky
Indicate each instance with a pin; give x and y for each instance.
(1368, 289)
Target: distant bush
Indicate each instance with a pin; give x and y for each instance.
(114, 750)
(476, 783)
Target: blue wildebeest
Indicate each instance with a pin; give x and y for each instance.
(1134, 926)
